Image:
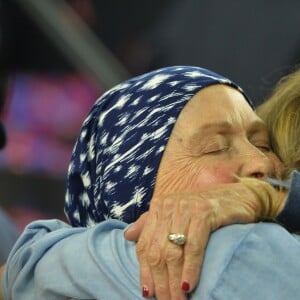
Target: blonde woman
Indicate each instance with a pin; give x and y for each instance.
(281, 113)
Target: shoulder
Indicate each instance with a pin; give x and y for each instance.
(241, 259)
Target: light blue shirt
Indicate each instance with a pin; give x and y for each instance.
(52, 260)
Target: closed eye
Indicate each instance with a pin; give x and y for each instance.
(216, 144)
(217, 149)
(263, 148)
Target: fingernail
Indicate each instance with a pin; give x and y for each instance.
(185, 286)
(145, 292)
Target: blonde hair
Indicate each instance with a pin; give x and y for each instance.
(281, 112)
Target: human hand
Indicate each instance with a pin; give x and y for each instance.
(170, 271)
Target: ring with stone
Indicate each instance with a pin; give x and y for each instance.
(177, 238)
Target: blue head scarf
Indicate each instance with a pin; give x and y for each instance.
(116, 158)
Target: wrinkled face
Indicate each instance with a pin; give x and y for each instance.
(216, 138)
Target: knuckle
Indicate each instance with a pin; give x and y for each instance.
(141, 248)
(173, 254)
(168, 203)
(154, 257)
(203, 203)
(195, 254)
(204, 209)
(185, 202)
(155, 203)
(195, 249)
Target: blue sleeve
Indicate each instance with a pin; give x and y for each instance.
(290, 215)
(52, 260)
(254, 261)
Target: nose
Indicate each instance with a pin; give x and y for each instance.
(255, 164)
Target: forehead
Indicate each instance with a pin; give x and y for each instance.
(218, 104)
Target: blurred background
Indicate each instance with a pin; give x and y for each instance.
(57, 57)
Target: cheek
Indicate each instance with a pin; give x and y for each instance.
(215, 174)
(188, 176)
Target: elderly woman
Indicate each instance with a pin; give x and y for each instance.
(179, 138)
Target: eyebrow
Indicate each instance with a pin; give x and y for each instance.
(255, 126)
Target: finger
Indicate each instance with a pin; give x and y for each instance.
(159, 269)
(194, 249)
(174, 259)
(162, 254)
(134, 231)
(174, 254)
(156, 251)
(142, 250)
